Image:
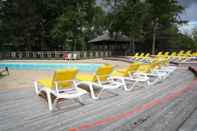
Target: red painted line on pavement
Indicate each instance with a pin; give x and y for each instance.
(138, 109)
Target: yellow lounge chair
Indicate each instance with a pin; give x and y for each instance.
(194, 56)
(146, 57)
(180, 53)
(186, 56)
(148, 74)
(152, 70)
(136, 55)
(61, 85)
(166, 54)
(125, 72)
(123, 75)
(131, 58)
(158, 70)
(98, 80)
(140, 56)
(172, 55)
(164, 65)
(159, 54)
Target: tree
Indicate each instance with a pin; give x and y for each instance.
(194, 35)
(78, 26)
(162, 15)
(128, 17)
(26, 24)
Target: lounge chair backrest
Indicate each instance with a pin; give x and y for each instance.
(145, 68)
(136, 54)
(147, 55)
(181, 52)
(159, 53)
(133, 67)
(64, 76)
(155, 65)
(194, 54)
(166, 53)
(141, 55)
(103, 72)
(173, 54)
(188, 53)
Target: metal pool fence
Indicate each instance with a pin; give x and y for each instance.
(54, 54)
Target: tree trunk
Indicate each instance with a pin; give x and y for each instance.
(154, 43)
(130, 46)
(133, 44)
(74, 44)
(155, 25)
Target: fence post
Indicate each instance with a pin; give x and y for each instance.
(48, 54)
(20, 55)
(101, 53)
(96, 54)
(13, 55)
(85, 54)
(90, 54)
(110, 53)
(106, 54)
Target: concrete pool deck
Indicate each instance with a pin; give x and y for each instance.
(22, 78)
(141, 109)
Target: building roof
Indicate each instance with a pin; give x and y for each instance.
(108, 37)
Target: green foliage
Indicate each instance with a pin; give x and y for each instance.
(77, 24)
(128, 17)
(180, 41)
(70, 24)
(48, 24)
(26, 24)
(194, 35)
(185, 42)
(144, 20)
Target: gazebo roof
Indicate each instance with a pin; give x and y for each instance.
(110, 38)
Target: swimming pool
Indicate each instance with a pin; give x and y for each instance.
(50, 66)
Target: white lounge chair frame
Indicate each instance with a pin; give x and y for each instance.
(134, 80)
(107, 85)
(59, 93)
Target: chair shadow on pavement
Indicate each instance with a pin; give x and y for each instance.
(4, 72)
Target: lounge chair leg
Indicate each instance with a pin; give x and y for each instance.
(49, 101)
(102, 90)
(133, 86)
(80, 101)
(147, 84)
(36, 87)
(124, 85)
(55, 103)
(92, 92)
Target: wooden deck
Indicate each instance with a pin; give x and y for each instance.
(22, 110)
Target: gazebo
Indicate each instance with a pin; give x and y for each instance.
(116, 42)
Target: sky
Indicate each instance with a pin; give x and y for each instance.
(189, 14)
(190, 10)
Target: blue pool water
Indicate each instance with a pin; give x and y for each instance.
(47, 66)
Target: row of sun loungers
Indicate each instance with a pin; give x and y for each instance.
(66, 83)
(181, 56)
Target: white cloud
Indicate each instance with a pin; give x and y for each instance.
(188, 28)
